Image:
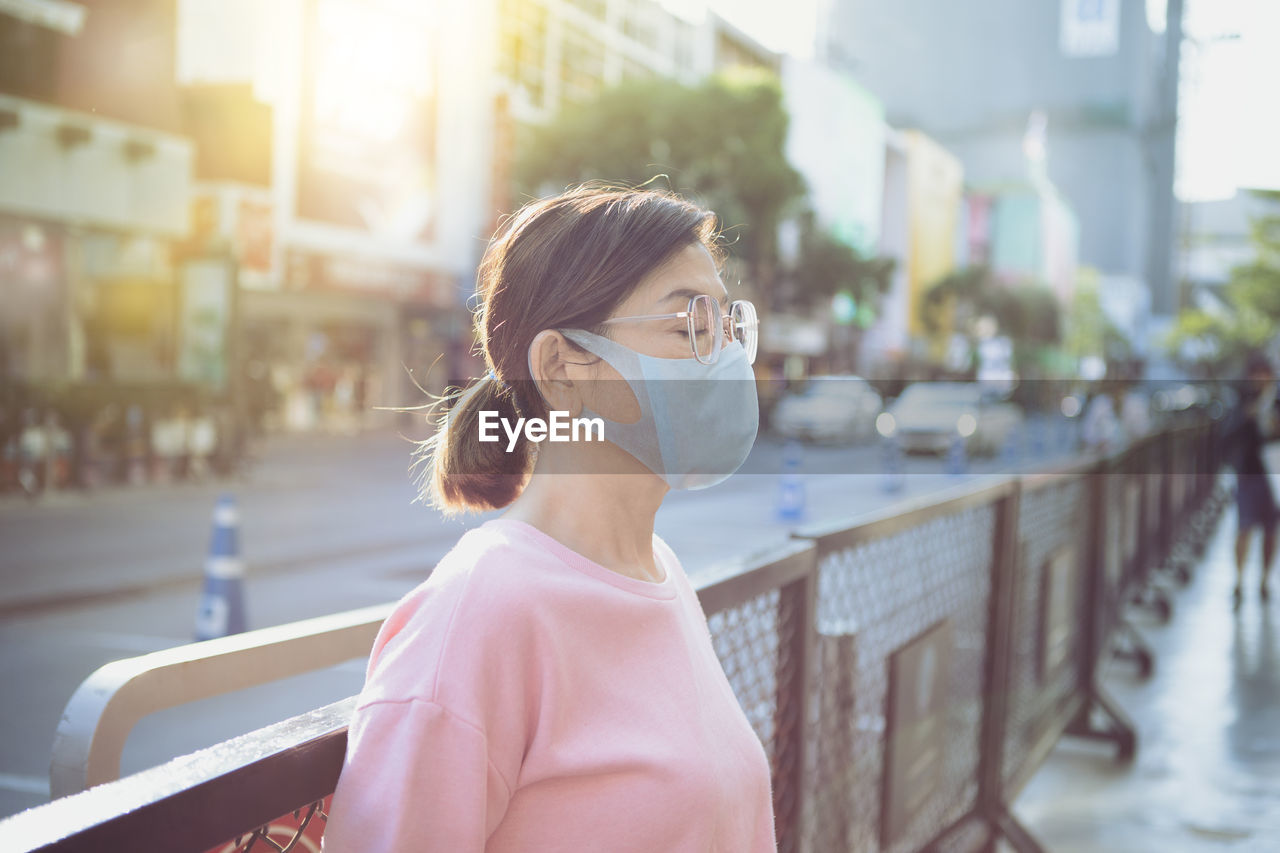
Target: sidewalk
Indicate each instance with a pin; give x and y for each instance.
(1207, 773)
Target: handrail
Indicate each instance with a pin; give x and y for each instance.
(105, 708)
(128, 814)
(907, 514)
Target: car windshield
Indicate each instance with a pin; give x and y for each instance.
(832, 386)
(936, 396)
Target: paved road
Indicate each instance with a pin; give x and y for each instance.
(328, 524)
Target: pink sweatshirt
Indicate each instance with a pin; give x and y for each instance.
(525, 698)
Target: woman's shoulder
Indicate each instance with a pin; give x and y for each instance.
(472, 600)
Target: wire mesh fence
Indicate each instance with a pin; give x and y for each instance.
(906, 674)
(1046, 654)
(926, 587)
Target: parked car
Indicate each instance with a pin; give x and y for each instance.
(829, 408)
(928, 416)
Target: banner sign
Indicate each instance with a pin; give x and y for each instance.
(204, 315)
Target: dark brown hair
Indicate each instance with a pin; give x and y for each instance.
(560, 262)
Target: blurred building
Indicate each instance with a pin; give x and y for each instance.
(553, 52)
(1024, 232)
(286, 201)
(836, 136)
(342, 180)
(94, 180)
(971, 74)
(882, 191)
(1213, 238)
(921, 214)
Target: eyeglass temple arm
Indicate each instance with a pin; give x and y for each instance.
(679, 315)
(676, 316)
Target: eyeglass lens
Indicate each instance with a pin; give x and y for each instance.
(706, 328)
(746, 327)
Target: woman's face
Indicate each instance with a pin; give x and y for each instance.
(690, 272)
(667, 290)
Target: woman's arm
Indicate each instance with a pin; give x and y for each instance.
(416, 777)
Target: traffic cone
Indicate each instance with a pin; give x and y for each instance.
(791, 495)
(891, 456)
(1040, 436)
(957, 456)
(1012, 450)
(222, 603)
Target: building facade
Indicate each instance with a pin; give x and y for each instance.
(285, 203)
(973, 74)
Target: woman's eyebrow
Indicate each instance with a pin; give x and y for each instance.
(685, 294)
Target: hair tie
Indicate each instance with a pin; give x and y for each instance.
(494, 377)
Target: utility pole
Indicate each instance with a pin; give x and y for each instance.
(1161, 145)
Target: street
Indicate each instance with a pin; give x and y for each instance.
(328, 524)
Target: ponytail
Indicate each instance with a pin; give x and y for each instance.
(463, 474)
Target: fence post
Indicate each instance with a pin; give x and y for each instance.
(797, 608)
(995, 712)
(1104, 617)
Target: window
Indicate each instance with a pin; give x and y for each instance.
(640, 23)
(594, 8)
(581, 64)
(522, 46)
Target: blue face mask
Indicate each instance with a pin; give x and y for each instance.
(697, 422)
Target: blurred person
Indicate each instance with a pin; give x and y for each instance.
(1135, 414)
(1101, 429)
(1252, 426)
(553, 685)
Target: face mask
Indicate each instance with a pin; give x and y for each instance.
(697, 421)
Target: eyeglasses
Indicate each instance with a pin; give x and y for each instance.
(707, 327)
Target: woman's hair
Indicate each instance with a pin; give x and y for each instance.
(560, 262)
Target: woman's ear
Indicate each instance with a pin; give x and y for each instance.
(556, 367)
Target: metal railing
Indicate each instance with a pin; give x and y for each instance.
(907, 673)
(103, 711)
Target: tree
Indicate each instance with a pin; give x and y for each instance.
(1216, 336)
(1027, 312)
(826, 265)
(1088, 331)
(719, 142)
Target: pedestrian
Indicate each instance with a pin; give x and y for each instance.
(552, 685)
(1135, 414)
(1252, 425)
(1102, 430)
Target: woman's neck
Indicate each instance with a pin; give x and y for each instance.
(607, 518)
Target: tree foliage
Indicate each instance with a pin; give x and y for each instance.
(1088, 331)
(826, 266)
(1024, 311)
(1216, 336)
(719, 142)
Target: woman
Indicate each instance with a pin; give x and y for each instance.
(552, 686)
(1252, 426)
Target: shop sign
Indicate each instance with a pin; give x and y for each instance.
(204, 315)
(352, 274)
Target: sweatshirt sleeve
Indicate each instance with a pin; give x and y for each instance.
(416, 777)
